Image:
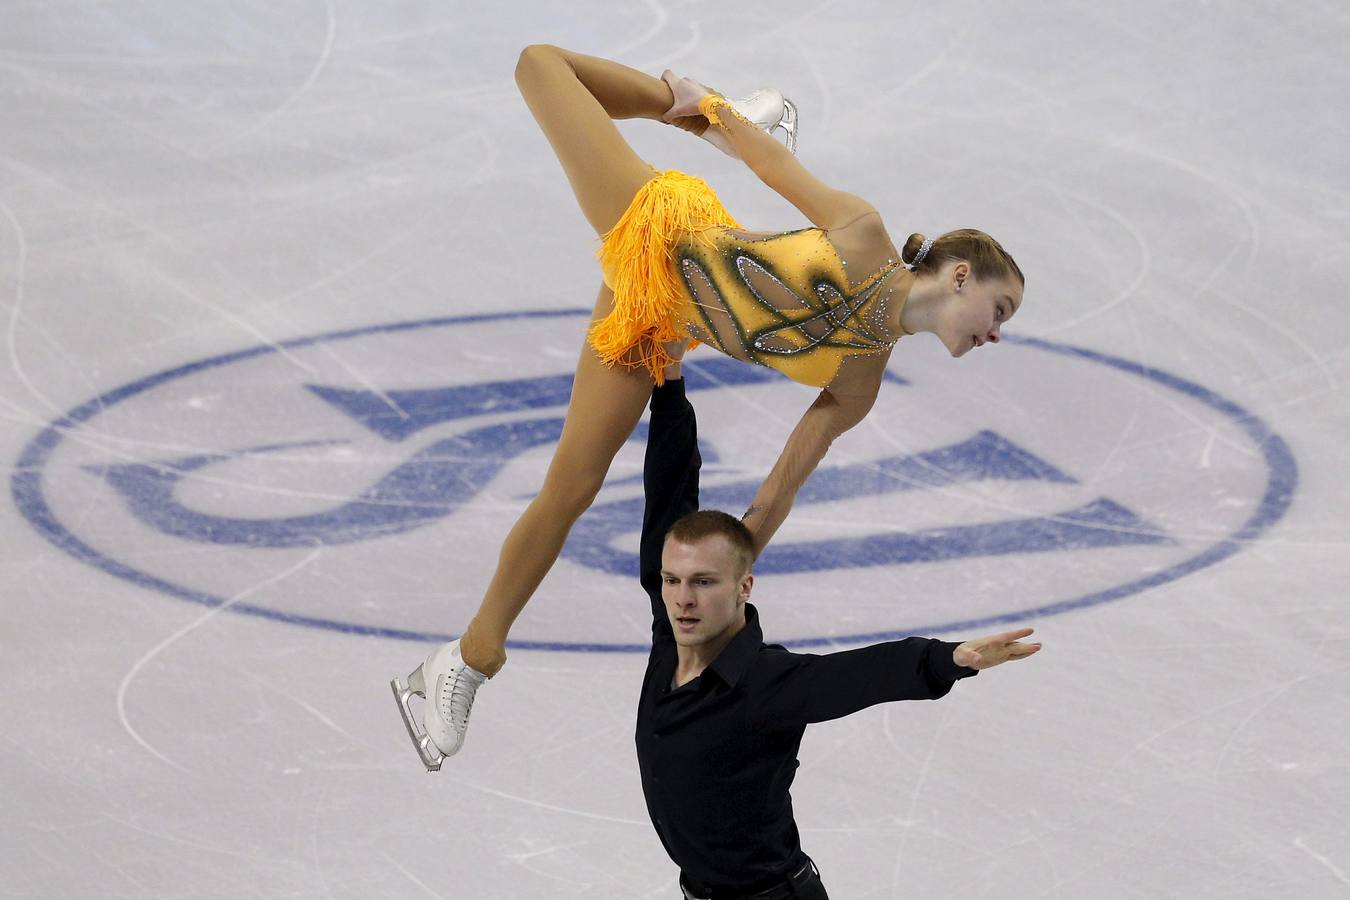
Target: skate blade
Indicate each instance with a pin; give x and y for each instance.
(789, 124)
(431, 755)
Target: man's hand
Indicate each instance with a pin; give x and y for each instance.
(676, 349)
(987, 652)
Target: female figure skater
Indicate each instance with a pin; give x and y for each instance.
(823, 305)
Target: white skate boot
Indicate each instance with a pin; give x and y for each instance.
(767, 110)
(453, 684)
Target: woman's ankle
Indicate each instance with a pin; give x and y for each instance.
(484, 653)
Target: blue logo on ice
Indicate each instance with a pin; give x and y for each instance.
(462, 436)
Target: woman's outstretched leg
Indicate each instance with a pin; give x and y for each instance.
(605, 407)
(575, 99)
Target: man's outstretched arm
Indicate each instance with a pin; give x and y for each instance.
(801, 688)
(669, 481)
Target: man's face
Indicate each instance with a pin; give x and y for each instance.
(704, 585)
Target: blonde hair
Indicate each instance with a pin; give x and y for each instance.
(987, 258)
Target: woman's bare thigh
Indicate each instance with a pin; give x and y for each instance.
(604, 171)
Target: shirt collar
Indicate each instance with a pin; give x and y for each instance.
(739, 653)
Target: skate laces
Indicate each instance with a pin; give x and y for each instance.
(455, 700)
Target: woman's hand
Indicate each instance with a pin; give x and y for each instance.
(688, 93)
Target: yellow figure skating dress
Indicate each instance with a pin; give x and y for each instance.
(781, 300)
(680, 266)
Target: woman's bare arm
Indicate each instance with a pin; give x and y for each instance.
(825, 206)
(827, 418)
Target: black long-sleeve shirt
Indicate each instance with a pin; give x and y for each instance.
(718, 755)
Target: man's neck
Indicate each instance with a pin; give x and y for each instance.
(691, 661)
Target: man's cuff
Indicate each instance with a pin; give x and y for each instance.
(669, 395)
(943, 666)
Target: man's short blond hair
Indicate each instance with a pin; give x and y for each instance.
(698, 526)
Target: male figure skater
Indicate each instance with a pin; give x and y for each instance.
(721, 713)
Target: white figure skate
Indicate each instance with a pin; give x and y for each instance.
(767, 110)
(453, 684)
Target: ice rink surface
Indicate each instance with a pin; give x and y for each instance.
(290, 300)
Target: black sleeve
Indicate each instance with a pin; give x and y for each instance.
(800, 688)
(670, 485)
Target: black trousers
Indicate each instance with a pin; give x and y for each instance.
(803, 884)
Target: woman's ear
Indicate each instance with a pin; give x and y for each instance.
(960, 274)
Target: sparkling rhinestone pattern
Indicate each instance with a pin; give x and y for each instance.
(783, 301)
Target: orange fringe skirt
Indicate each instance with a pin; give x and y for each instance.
(637, 257)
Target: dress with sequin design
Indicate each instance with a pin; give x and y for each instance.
(781, 300)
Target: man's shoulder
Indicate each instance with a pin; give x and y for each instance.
(773, 659)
